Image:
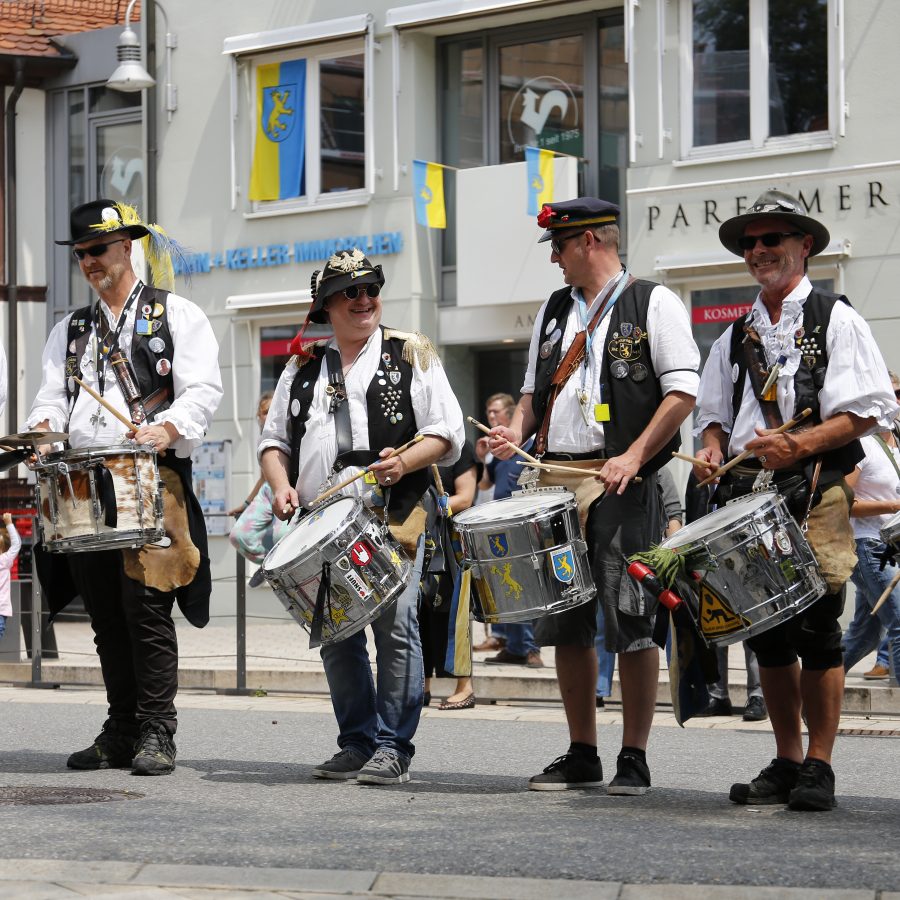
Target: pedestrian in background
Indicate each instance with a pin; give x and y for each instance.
(10, 544)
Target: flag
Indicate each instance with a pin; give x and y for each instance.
(428, 187)
(279, 151)
(539, 168)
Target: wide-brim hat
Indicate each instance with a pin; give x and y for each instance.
(583, 213)
(343, 269)
(98, 219)
(774, 204)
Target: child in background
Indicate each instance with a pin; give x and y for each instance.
(10, 543)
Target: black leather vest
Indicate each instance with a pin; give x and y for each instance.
(627, 376)
(391, 420)
(809, 378)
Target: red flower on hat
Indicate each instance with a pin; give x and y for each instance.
(545, 216)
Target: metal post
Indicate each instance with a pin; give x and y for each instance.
(240, 687)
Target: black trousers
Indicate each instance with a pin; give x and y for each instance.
(135, 639)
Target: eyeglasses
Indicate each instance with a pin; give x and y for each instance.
(352, 292)
(97, 250)
(556, 244)
(769, 239)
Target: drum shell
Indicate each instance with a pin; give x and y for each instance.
(890, 531)
(359, 593)
(79, 527)
(518, 584)
(759, 564)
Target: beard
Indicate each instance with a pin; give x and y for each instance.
(112, 277)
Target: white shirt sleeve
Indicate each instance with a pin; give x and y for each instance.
(528, 385)
(437, 410)
(50, 402)
(714, 405)
(676, 358)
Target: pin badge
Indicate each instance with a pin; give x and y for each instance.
(72, 347)
(395, 377)
(142, 326)
(546, 349)
(550, 326)
(295, 407)
(157, 345)
(163, 367)
(386, 357)
(158, 310)
(619, 369)
(155, 325)
(638, 372)
(627, 328)
(556, 336)
(146, 309)
(70, 384)
(735, 371)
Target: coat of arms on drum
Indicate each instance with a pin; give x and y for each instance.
(563, 564)
(498, 544)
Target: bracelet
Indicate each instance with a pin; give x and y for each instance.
(246, 503)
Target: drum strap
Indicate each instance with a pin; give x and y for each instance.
(107, 496)
(884, 446)
(339, 406)
(323, 596)
(758, 371)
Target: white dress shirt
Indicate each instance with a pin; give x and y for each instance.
(435, 406)
(675, 357)
(197, 381)
(877, 481)
(856, 380)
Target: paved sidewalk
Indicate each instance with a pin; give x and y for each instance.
(279, 659)
(40, 879)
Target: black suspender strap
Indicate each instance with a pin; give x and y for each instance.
(338, 405)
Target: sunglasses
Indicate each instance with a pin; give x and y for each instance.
(556, 244)
(769, 239)
(352, 292)
(97, 250)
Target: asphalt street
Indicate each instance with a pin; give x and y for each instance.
(243, 795)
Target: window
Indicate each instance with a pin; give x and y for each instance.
(306, 131)
(759, 73)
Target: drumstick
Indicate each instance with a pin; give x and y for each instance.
(437, 478)
(691, 459)
(333, 490)
(742, 456)
(518, 450)
(551, 468)
(887, 593)
(106, 405)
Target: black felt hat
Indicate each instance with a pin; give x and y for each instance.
(583, 212)
(98, 219)
(343, 269)
(774, 204)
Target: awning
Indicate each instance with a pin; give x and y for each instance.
(328, 30)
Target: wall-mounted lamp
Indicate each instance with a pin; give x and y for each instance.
(130, 75)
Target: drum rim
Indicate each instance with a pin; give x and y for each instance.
(526, 515)
(687, 536)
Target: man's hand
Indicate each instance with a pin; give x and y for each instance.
(7, 518)
(619, 471)
(286, 503)
(159, 436)
(500, 440)
(775, 451)
(388, 471)
(715, 458)
(482, 448)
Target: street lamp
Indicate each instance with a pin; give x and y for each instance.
(130, 75)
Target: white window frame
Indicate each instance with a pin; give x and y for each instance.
(760, 143)
(251, 51)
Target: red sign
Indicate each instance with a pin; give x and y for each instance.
(361, 553)
(713, 315)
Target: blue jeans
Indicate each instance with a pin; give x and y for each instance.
(606, 660)
(520, 638)
(371, 714)
(2, 625)
(867, 631)
(883, 657)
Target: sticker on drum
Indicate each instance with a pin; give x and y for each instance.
(498, 544)
(717, 618)
(563, 564)
(358, 585)
(361, 553)
(783, 542)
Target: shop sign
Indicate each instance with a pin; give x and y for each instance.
(711, 315)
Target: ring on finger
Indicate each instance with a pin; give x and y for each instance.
(762, 459)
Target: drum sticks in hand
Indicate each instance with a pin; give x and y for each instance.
(517, 449)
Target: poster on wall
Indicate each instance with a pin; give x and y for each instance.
(212, 484)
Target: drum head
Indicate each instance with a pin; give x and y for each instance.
(524, 505)
(720, 518)
(310, 532)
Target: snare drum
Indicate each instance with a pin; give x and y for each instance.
(890, 531)
(527, 556)
(99, 498)
(368, 568)
(756, 568)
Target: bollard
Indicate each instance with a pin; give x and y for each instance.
(240, 688)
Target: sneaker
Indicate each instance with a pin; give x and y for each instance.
(113, 748)
(877, 672)
(345, 764)
(155, 751)
(385, 767)
(755, 710)
(567, 772)
(505, 657)
(533, 660)
(718, 706)
(632, 776)
(814, 791)
(773, 785)
(490, 643)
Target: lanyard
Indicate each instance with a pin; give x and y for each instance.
(102, 356)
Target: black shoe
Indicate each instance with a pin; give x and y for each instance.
(600, 703)
(814, 791)
(632, 776)
(566, 772)
(504, 657)
(257, 578)
(155, 752)
(755, 710)
(113, 748)
(718, 706)
(773, 785)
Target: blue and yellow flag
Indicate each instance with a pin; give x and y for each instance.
(279, 153)
(539, 167)
(428, 192)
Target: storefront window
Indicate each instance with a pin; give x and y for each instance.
(733, 40)
(343, 118)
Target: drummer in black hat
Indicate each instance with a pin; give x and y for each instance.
(614, 407)
(340, 406)
(798, 348)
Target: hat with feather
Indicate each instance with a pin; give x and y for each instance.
(343, 269)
